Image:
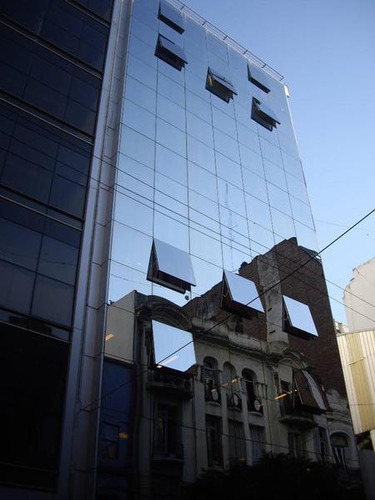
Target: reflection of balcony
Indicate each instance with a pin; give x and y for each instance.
(234, 401)
(293, 413)
(170, 383)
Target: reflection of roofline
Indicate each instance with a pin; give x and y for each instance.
(228, 40)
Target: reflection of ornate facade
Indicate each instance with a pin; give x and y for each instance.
(254, 388)
(145, 152)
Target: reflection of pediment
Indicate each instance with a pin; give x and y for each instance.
(165, 311)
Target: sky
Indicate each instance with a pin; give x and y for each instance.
(326, 51)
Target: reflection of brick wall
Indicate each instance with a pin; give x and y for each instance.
(308, 285)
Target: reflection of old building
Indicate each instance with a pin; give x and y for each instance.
(143, 153)
(216, 388)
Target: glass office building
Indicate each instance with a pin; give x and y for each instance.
(142, 150)
(196, 167)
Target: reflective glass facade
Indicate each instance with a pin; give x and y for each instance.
(51, 68)
(195, 171)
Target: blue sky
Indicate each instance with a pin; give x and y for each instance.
(325, 50)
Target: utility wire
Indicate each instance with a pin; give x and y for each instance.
(229, 315)
(152, 202)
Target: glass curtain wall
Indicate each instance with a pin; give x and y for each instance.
(197, 172)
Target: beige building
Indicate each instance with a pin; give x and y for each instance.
(359, 298)
(357, 351)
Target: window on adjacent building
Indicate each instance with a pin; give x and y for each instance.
(257, 443)
(240, 295)
(237, 443)
(171, 267)
(258, 77)
(214, 443)
(167, 432)
(285, 397)
(250, 387)
(170, 52)
(220, 86)
(298, 319)
(263, 115)
(340, 448)
(211, 380)
(171, 16)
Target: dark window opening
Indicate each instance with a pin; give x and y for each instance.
(257, 443)
(220, 86)
(214, 444)
(296, 444)
(32, 387)
(211, 380)
(167, 439)
(237, 443)
(321, 444)
(171, 16)
(170, 53)
(340, 448)
(263, 115)
(258, 78)
(250, 385)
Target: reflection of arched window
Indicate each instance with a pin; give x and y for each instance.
(340, 448)
(249, 384)
(230, 383)
(211, 380)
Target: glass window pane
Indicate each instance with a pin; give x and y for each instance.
(168, 339)
(140, 94)
(137, 146)
(53, 301)
(200, 154)
(58, 260)
(200, 129)
(171, 164)
(229, 170)
(139, 119)
(202, 181)
(130, 247)
(170, 112)
(16, 287)
(226, 145)
(133, 213)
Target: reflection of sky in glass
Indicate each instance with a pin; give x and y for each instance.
(167, 340)
(243, 291)
(226, 189)
(300, 315)
(174, 262)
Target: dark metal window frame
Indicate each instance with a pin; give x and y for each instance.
(171, 53)
(219, 86)
(260, 114)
